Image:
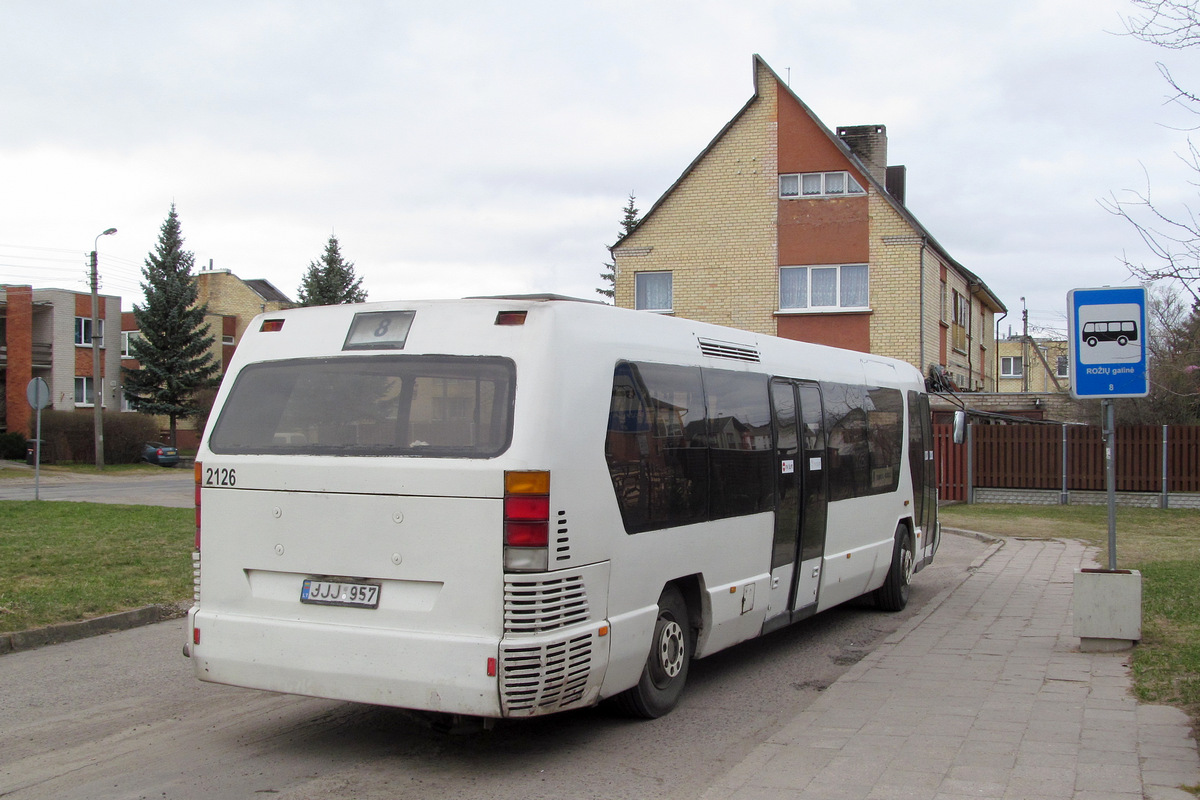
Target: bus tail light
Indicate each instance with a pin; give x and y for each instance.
(526, 521)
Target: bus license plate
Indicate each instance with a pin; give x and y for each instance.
(330, 593)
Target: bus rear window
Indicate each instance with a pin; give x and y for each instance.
(382, 405)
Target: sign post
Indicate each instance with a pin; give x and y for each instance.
(1106, 332)
(1107, 337)
(38, 395)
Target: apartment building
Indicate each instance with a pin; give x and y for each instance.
(47, 333)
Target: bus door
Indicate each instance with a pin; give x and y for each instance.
(924, 476)
(799, 544)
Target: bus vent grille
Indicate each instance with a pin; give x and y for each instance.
(534, 605)
(542, 679)
(730, 350)
(562, 542)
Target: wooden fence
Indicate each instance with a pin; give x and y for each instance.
(1031, 457)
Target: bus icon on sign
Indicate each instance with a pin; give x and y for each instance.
(1121, 331)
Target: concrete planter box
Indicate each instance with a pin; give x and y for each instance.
(1108, 609)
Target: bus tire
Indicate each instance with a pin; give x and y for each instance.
(666, 668)
(893, 595)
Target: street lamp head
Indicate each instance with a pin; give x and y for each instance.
(109, 232)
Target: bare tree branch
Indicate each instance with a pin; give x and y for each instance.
(1171, 24)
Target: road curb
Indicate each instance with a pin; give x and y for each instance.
(71, 631)
(994, 543)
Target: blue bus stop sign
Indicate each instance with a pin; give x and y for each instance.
(1107, 336)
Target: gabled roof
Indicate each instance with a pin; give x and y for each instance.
(977, 284)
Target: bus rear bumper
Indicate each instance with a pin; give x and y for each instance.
(521, 676)
(360, 665)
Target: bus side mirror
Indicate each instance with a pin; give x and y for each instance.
(960, 427)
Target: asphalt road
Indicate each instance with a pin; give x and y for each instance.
(120, 716)
(157, 486)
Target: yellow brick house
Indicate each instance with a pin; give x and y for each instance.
(782, 226)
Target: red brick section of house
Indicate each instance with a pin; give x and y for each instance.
(19, 343)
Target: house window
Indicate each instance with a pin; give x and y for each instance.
(819, 184)
(127, 338)
(958, 328)
(84, 391)
(83, 331)
(822, 288)
(1010, 366)
(227, 340)
(1062, 367)
(653, 292)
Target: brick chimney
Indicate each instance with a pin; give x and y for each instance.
(869, 143)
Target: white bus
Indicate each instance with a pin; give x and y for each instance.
(507, 507)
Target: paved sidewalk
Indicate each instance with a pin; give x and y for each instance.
(984, 694)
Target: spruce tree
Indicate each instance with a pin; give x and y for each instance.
(173, 345)
(331, 281)
(628, 223)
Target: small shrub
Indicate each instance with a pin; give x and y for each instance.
(124, 435)
(70, 436)
(12, 446)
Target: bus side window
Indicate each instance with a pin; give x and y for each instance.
(739, 438)
(655, 447)
(885, 420)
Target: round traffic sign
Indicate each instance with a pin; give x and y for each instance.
(38, 393)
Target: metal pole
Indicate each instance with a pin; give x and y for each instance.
(1111, 477)
(37, 458)
(1165, 501)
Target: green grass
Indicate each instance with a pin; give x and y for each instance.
(67, 561)
(1163, 545)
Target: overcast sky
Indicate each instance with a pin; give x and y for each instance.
(469, 147)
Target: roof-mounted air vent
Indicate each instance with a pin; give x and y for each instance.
(730, 350)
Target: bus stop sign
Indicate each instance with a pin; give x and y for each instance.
(1106, 330)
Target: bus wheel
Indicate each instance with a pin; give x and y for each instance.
(667, 665)
(893, 595)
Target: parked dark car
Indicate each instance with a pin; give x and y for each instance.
(158, 453)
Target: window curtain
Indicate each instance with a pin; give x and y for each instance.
(793, 287)
(854, 286)
(654, 291)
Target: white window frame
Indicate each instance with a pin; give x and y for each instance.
(82, 326)
(808, 306)
(1062, 367)
(1012, 366)
(83, 382)
(127, 343)
(807, 185)
(641, 292)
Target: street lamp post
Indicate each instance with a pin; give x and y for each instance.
(97, 372)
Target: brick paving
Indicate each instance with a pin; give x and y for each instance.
(984, 694)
